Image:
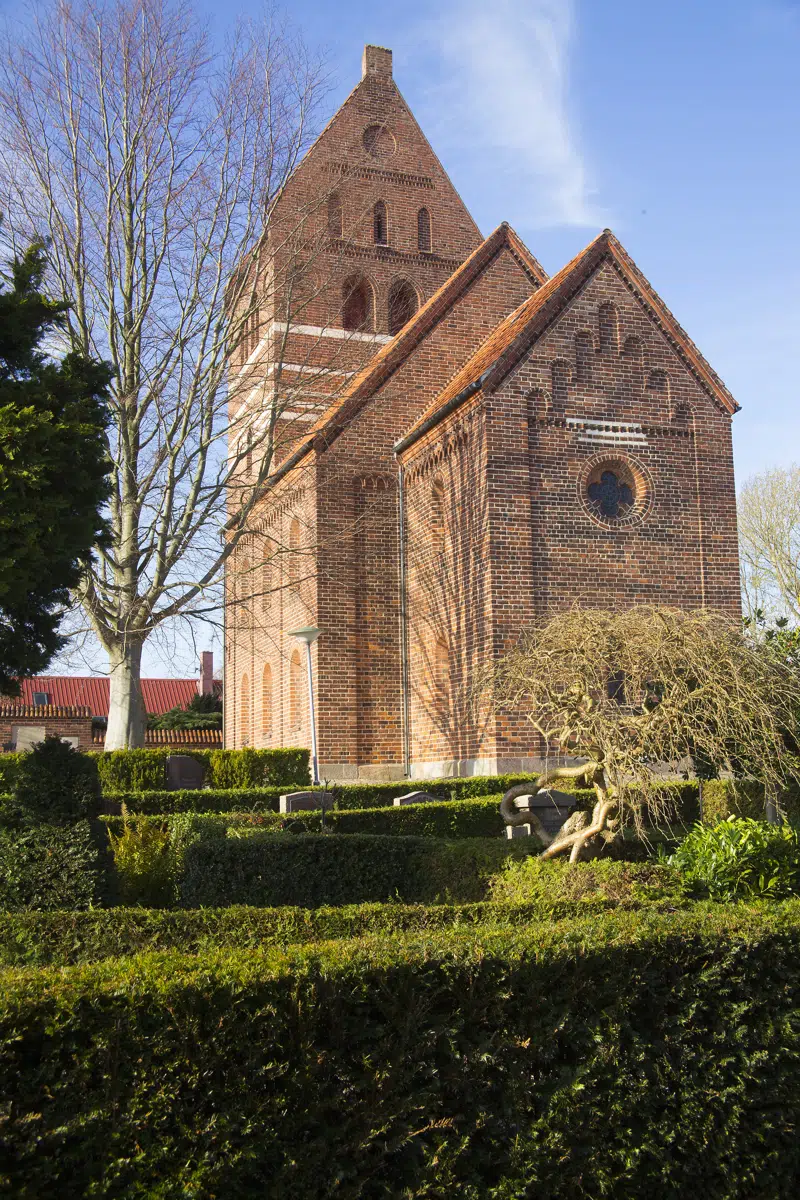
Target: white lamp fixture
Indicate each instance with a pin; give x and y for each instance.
(309, 635)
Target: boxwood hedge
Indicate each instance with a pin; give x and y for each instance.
(627, 1055)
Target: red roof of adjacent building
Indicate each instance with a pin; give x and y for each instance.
(160, 695)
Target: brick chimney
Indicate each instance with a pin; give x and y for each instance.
(376, 61)
(206, 673)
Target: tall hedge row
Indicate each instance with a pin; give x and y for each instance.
(626, 1056)
(145, 770)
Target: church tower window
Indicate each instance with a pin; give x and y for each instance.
(437, 515)
(357, 304)
(583, 356)
(380, 226)
(244, 711)
(608, 327)
(295, 681)
(403, 303)
(266, 702)
(424, 230)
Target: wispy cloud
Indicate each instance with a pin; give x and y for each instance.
(504, 71)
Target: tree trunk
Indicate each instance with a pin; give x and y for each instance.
(126, 715)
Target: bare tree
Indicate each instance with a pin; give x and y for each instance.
(769, 542)
(632, 693)
(154, 165)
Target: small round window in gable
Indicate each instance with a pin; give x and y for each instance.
(379, 141)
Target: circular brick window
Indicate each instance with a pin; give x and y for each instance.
(615, 491)
(379, 141)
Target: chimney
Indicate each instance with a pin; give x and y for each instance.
(376, 61)
(206, 673)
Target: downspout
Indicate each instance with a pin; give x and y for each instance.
(404, 682)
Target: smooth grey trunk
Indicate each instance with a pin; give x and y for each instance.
(126, 714)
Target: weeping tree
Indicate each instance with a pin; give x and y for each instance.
(151, 163)
(638, 694)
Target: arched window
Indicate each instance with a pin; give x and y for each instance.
(295, 684)
(294, 552)
(335, 215)
(245, 592)
(403, 304)
(266, 701)
(658, 381)
(380, 225)
(244, 711)
(267, 578)
(584, 347)
(357, 303)
(437, 514)
(423, 230)
(608, 327)
(441, 677)
(559, 382)
(633, 355)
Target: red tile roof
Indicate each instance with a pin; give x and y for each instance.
(506, 345)
(160, 695)
(207, 739)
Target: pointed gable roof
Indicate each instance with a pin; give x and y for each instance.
(516, 334)
(380, 368)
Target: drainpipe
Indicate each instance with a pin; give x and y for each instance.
(401, 520)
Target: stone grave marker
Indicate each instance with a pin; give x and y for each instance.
(184, 773)
(305, 801)
(416, 798)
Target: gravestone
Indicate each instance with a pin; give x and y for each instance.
(416, 798)
(550, 806)
(184, 773)
(305, 801)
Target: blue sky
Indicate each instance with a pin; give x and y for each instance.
(674, 124)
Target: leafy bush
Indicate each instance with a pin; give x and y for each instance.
(56, 784)
(200, 800)
(724, 798)
(533, 880)
(52, 866)
(9, 766)
(312, 870)
(740, 858)
(625, 1055)
(145, 770)
(143, 863)
(67, 938)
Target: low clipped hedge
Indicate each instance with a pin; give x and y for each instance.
(555, 881)
(67, 938)
(627, 1055)
(275, 869)
(724, 798)
(54, 867)
(145, 770)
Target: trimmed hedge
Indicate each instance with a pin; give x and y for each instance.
(145, 770)
(536, 881)
(629, 1055)
(68, 938)
(744, 798)
(53, 867)
(274, 869)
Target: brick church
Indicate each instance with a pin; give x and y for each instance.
(469, 444)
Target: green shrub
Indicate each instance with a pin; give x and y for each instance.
(724, 798)
(533, 880)
(9, 766)
(52, 866)
(312, 870)
(124, 771)
(143, 863)
(626, 1055)
(68, 938)
(740, 858)
(56, 784)
(201, 800)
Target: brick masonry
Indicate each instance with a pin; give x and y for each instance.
(499, 524)
(54, 720)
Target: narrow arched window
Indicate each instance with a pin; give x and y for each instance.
(559, 383)
(357, 304)
(403, 303)
(244, 711)
(583, 356)
(658, 381)
(266, 584)
(380, 226)
(437, 514)
(633, 358)
(294, 552)
(295, 684)
(266, 701)
(423, 230)
(608, 327)
(245, 589)
(335, 215)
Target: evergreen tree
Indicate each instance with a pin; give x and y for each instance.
(53, 469)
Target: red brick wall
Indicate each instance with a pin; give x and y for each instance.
(56, 721)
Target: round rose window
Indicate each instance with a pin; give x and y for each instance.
(378, 141)
(615, 491)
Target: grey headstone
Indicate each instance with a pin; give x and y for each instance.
(551, 807)
(416, 798)
(305, 801)
(515, 831)
(184, 773)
